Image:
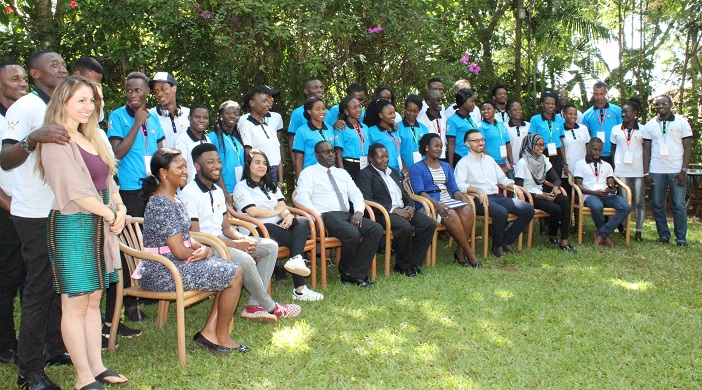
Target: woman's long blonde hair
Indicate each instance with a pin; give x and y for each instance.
(56, 114)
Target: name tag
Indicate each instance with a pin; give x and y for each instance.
(238, 172)
(601, 135)
(399, 162)
(599, 187)
(364, 161)
(552, 149)
(628, 157)
(665, 150)
(147, 165)
(503, 151)
(416, 157)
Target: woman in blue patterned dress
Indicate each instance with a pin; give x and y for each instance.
(167, 232)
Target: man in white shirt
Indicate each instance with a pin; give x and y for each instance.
(207, 210)
(595, 177)
(412, 231)
(195, 135)
(432, 117)
(327, 189)
(500, 97)
(478, 174)
(13, 85)
(562, 99)
(666, 154)
(40, 320)
(172, 116)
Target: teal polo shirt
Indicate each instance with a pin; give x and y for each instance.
(307, 136)
(458, 125)
(495, 136)
(602, 120)
(410, 136)
(333, 115)
(131, 168)
(391, 140)
(550, 131)
(231, 152)
(297, 119)
(350, 141)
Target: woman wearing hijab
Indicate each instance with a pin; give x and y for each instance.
(535, 173)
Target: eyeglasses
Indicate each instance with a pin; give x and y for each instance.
(660, 104)
(540, 145)
(479, 140)
(328, 151)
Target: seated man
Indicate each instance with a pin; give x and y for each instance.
(204, 201)
(596, 181)
(412, 231)
(478, 174)
(327, 189)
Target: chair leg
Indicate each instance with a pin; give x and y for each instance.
(112, 343)
(529, 232)
(434, 243)
(162, 316)
(323, 265)
(580, 228)
(486, 224)
(388, 252)
(313, 268)
(180, 319)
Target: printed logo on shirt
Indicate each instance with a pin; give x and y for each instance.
(12, 124)
(238, 199)
(109, 125)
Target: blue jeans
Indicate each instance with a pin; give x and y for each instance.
(638, 189)
(500, 208)
(597, 205)
(662, 182)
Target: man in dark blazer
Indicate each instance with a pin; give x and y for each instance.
(412, 231)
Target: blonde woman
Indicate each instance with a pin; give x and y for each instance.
(86, 217)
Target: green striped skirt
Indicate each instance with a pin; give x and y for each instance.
(76, 252)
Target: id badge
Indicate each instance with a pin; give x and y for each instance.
(399, 162)
(503, 151)
(364, 161)
(416, 157)
(665, 151)
(628, 157)
(238, 172)
(551, 149)
(601, 135)
(147, 165)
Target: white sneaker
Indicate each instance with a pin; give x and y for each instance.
(296, 265)
(307, 295)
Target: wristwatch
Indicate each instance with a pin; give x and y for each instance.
(24, 144)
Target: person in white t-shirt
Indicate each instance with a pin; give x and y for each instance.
(627, 149)
(667, 149)
(517, 127)
(258, 133)
(195, 135)
(575, 139)
(172, 116)
(595, 178)
(433, 118)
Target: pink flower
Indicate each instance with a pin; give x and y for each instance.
(197, 6)
(465, 58)
(477, 70)
(205, 15)
(8, 10)
(73, 4)
(471, 67)
(375, 30)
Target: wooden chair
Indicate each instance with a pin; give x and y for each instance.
(538, 214)
(578, 206)
(429, 207)
(487, 221)
(131, 245)
(327, 242)
(283, 251)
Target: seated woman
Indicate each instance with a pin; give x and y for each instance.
(434, 180)
(353, 140)
(167, 232)
(258, 196)
(310, 133)
(534, 172)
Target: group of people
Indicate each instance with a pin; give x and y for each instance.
(62, 210)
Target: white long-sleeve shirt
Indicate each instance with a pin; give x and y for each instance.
(315, 190)
(483, 173)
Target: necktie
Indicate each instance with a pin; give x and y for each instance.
(338, 193)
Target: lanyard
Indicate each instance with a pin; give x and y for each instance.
(628, 135)
(263, 127)
(470, 120)
(145, 134)
(596, 170)
(396, 142)
(664, 129)
(264, 191)
(357, 126)
(437, 125)
(236, 147)
(414, 135)
(601, 117)
(550, 130)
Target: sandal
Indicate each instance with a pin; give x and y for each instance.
(102, 378)
(92, 386)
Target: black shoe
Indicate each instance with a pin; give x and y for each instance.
(567, 248)
(133, 313)
(348, 279)
(637, 237)
(406, 271)
(106, 343)
(202, 342)
(682, 243)
(662, 241)
(417, 270)
(8, 356)
(498, 252)
(508, 249)
(93, 386)
(38, 381)
(122, 330)
(63, 359)
(553, 241)
(460, 262)
(279, 271)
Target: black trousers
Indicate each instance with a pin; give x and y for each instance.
(352, 167)
(135, 205)
(12, 274)
(358, 245)
(40, 321)
(411, 238)
(294, 238)
(500, 208)
(559, 214)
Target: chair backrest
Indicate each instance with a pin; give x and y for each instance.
(131, 236)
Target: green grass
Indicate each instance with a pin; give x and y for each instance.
(604, 318)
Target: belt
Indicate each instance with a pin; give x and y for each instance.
(357, 160)
(165, 249)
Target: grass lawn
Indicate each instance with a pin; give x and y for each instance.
(604, 318)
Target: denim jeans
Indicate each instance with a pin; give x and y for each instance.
(662, 182)
(597, 205)
(638, 189)
(500, 207)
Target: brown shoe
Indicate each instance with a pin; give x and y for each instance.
(608, 242)
(508, 249)
(498, 252)
(598, 239)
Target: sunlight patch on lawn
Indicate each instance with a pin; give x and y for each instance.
(636, 286)
(431, 312)
(292, 338)
(493, 335)
(504, 294)
(456, 382)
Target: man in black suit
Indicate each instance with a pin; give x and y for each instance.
(412, 231)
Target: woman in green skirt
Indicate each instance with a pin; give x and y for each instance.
(86, 217)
